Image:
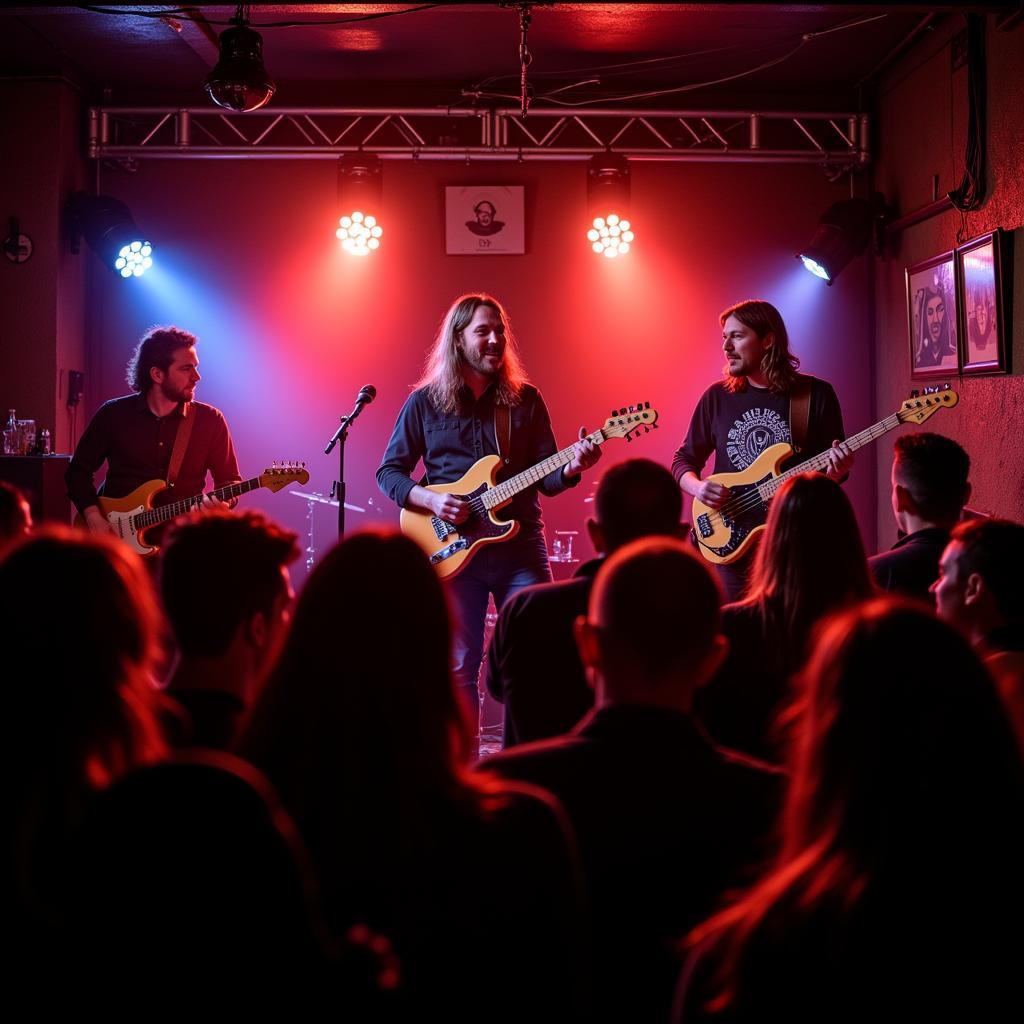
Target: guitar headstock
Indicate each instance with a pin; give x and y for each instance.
(277, 476)
(627, 422)
(919, 406)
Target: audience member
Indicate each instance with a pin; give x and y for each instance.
(15, 514)
(665, 821)
(225, 588)
(362, 733)
(897, 887)
(978, 591)
(533, 666)
(82, 624)
(929, 490)
(810, 563)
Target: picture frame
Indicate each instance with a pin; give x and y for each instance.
(983, 347)
(484, 220)
(932, 317)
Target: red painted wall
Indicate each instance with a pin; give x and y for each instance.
(922, 125)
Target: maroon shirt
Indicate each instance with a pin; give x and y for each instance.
(136, 444)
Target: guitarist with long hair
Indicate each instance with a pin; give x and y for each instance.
(136, 435)
(753, 407)
(475, 399)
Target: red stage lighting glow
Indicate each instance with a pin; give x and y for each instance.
(611, 236)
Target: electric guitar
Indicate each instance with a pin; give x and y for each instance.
(725, 534)
(132, 515)
(450, 547)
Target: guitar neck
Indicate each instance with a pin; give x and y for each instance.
(163, 514)
(509, 488)
(821, 461)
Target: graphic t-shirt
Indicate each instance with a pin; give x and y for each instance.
(740, 426)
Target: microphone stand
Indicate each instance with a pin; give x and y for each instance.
(341, 435)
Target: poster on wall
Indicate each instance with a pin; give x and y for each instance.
(932, 317)
(484, 220)
(982, 337)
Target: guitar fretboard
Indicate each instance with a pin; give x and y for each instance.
(509, 488)
(821, 461)
(154, 516)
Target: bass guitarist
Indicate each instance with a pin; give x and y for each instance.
(474, 399)
(139, 436)
(753, 407)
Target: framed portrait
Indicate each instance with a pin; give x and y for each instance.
(484, 220)
(932, 317)
(982, 322)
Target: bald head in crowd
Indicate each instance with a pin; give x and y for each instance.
(652, 633)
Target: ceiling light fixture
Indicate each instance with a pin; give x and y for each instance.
(843, 233)
(240, 81)
(359, 200)
(610, 233)
(107, 225)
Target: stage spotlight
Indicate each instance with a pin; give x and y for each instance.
(843, 234)
(239, 81)
(108, 227)
(610, 234)
(359, 199)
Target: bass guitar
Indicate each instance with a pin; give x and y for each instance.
(723, 535)
(450, 547)
(134, 514)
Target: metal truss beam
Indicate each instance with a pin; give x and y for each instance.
(836, 140)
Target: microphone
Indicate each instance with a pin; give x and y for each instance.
(366, 395)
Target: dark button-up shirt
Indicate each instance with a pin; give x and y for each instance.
(136, 444)
(450, 443)
(911, 565)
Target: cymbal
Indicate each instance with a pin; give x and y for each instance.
(320, 499)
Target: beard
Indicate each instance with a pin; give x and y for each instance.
(175, 394)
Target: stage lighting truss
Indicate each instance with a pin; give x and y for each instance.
(834, 141)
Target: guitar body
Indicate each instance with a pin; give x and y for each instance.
(134, 515)
(725, 537)
(119, 512)
(726, 534)
(449, 547)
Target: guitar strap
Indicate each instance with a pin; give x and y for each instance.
(799, 411)
(180, 444)
(503, 427)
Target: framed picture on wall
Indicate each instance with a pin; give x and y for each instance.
(484, 220)
(932, 317)
(982, 330)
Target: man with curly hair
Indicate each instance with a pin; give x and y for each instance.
(135, 434)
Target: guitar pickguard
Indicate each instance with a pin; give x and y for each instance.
(475, 529)
(741, 525)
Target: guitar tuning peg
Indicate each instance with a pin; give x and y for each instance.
(647, 405)
(622, 411)
(629, 437)
(913, 394)
(647, 430)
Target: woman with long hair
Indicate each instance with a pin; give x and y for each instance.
(363, 734)
(810, 562)
(897, 891)
(82, 625)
